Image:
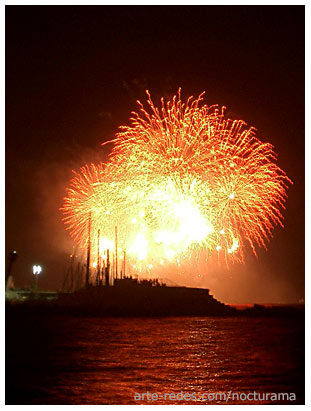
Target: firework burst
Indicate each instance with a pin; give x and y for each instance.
(181, 178)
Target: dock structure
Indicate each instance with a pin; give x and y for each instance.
(107, 270)
(88, 253)
(116, 250)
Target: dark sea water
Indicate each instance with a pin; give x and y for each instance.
(67, 360)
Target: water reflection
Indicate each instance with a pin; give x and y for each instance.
(64, 360)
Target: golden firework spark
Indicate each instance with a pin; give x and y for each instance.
(181, 177)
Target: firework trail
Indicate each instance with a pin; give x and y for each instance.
(180, 179)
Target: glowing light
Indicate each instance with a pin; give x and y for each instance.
(37, 269)
(104, 245)
(234, 247)
(170, 183)
(169, 254)
(139, 247)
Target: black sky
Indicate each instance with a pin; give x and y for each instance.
(73, 74)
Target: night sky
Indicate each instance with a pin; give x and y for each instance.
(73, 74)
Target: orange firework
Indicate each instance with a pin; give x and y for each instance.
(180, 178)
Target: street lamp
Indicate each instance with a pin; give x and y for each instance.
(36, 269)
